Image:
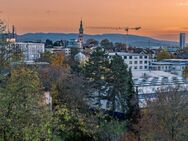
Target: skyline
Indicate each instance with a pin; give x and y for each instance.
(159, 19)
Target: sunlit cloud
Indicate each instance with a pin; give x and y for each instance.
(183, 3)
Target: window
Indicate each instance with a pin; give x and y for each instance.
(140, 57)
(130, 62)
(135, 67)
(145, 62)
(135, 62)
(146, 67)
(141, 62)
(130, 57)
(125, 57)
(141, 67)
(135, 57)
(145, 57)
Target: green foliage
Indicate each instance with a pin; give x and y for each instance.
(117, 79)
(47, 57)
(95, 72)
(23, 113)
(58, 43)
(163, 55)
(75, 121)
(49, 43)
(106, 44)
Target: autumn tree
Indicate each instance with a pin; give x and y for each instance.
(185, 72)
(165, 118)
(24, 114)
(163, 55)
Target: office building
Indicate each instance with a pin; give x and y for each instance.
(133, 60)
(182, 40)
(31, 51)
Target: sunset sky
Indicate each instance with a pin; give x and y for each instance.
(162, 19)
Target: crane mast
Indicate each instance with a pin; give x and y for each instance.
(119, 28)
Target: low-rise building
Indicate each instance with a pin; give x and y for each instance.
(149, 83)
(174, 66)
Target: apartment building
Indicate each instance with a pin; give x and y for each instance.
(31, 51)
(134, 61)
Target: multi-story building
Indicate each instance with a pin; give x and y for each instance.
(134, 61)
(182, 40)
(174, 66)
(31, 51)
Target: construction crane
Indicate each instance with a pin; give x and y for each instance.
(118, 28)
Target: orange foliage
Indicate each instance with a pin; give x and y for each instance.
(59, 60)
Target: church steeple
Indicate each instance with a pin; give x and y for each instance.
(81, 32)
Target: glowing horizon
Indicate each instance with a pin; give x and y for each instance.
(162, 19)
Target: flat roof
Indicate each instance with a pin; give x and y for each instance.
(127, 54)
(156, 78)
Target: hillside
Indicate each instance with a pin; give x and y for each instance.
(139, 41)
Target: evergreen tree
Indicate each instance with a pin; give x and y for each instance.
(133, 112)
(117, 79)
(95, 72)
(122, 96)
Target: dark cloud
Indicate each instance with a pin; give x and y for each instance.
(50, 11)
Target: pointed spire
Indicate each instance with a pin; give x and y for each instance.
(81, 30)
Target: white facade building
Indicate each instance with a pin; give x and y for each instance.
(174, 66)
(134, 61)
(67, 51)
(149, 83)
(31, 51)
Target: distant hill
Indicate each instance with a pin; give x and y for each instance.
(134, 40)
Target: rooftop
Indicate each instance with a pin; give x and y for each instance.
(125, 54)
(156, 78)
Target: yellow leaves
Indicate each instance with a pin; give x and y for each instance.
(163, 55)
(59, 60)
(185, 72)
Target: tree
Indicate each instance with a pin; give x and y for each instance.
(92, 42)
(75, 120)
(58, 43)
(95, 72)
(8, 53)
(185, 72)
(165, 118)
(48, 43)
(133, 111)
(24, 115)
(106, 44)
(117, 79)
(47, 57)
(163, 55)
(120, 47)
(122, 96)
